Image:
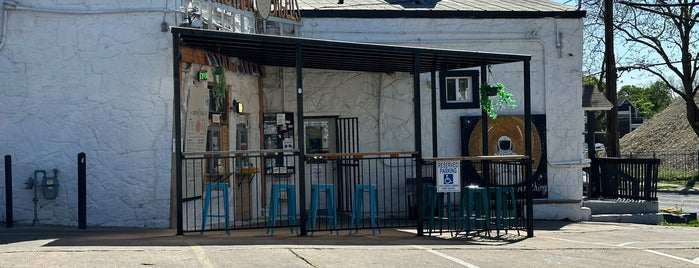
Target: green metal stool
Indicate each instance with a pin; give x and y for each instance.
(505, 207)
(475, 208)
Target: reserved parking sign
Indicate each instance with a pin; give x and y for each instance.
(448, 177)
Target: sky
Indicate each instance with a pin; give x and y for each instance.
(636, 78)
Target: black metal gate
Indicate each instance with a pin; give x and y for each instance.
(635, 179)
(347, 168)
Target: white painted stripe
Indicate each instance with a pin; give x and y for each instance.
(454, 259)
(200, 253)
(625, 245)
(670, 256)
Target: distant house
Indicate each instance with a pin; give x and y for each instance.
(628, 117)
(593, 101)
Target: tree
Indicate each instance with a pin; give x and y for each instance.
(648, 100)
(663, 42)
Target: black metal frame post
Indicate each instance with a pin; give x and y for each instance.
(82, 191)
(484, 116)
(418, 142)
(8, 192)
(301, 138)
(528, 146)
(178, 131)
(435, 151)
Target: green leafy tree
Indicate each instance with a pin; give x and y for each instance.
(663, 41)
(660, 38)
(648, 100)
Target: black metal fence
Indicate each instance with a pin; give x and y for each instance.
(261, 189)
(349, 191)
(354, 177)
(628, 178)
(680, 166)
(501, 182)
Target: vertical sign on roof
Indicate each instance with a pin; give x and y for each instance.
(448, 177)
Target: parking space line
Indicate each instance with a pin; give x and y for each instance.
(454, 259)
(626, 245)
(200, 253)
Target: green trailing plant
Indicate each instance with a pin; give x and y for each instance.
(497, 100)
(218, 89)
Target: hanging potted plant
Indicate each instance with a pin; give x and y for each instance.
(218, 89)
(494, 98)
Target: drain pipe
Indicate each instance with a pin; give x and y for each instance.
(3, 20)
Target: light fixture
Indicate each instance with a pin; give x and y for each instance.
(237, 107)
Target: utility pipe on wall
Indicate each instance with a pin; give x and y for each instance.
(9, 216)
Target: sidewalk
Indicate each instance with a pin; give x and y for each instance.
(555, 244)
(678, 189)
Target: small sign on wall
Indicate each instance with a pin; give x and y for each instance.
(448, 177)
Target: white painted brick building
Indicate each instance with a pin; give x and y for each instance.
(96, 77)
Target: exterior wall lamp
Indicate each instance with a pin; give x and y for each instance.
(237, 107)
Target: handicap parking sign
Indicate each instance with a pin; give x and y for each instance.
(449, 172)
(448, 178)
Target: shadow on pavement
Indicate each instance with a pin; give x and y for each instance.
(125, 236)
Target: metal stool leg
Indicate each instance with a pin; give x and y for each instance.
(291, 206)
(205, 212)
(272, 218)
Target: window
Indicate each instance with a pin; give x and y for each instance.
(319, 134)
(458, 89)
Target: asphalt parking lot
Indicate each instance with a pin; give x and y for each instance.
(555, 244)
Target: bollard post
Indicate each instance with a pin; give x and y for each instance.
(82, 192)
(8, 192)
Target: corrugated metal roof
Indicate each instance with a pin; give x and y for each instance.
(438, 8)
(335, 55)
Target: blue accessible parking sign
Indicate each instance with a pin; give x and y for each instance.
(449, 172)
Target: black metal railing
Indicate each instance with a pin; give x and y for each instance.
(488, 173)
(388, 172)
(675, 166)
(628, 178)
(250, 176)
(348, 180)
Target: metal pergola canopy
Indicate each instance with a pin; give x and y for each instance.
(335, 55)
(301, 53)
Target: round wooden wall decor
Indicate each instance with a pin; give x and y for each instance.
(511, 126)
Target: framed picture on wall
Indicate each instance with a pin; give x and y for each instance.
(458, 89)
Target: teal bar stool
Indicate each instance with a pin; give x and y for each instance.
(331, 216)
(222, 186)
(437, 209)
(359, 190)
(290, 205)
(431, 198)
(475, 208)
(505, 207)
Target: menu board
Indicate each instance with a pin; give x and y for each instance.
(197, 120)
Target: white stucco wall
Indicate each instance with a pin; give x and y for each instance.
(556, 49)
(381, 102)
(95, 83)
(102, 84)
